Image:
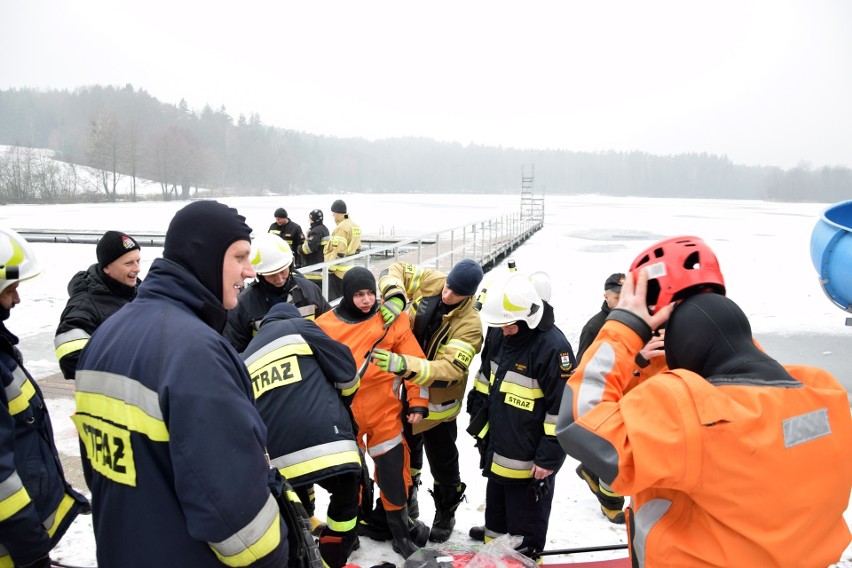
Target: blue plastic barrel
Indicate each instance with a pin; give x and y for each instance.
(831, 253)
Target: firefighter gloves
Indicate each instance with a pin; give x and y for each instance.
(390, 310)
(389, 362)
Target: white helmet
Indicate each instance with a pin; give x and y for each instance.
(541, 283)
(17, 259)
(270, 254)
(511, 299)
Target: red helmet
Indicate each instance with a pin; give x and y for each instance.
(676, 267)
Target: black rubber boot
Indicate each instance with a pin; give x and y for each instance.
(376, 525)
(447, 499)
(335, 547)
(398, 523)
(477, 533)
(413, 507)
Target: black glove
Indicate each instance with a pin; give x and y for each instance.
(540, 489)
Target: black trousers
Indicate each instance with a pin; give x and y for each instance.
(441, 451)
(513, 509)
(344, 492)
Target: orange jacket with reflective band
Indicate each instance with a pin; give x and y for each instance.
(737, 473)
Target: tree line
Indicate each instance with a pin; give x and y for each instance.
(116, 134)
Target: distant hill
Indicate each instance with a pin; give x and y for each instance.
(108, 139)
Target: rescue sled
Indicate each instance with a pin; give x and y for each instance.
(831, 254)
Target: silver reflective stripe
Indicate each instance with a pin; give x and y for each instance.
(70, 335)
(644, 520)
(441, 407)
(551, 418)
(806, 427)
(13, 390)
(594, 379)
(385, 447)
(307, 311)
(10, 486)
(317, 451)
(512, 464)
(248, 536)
(520, 380)
(122, 388)
(284, 341)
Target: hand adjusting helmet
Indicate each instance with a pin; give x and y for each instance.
(17, 259)
(270, 254)
(509, 300)
(677, 268)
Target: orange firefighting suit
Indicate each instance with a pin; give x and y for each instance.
(376, 406)
(685, 447)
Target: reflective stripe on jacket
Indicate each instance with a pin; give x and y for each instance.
(744, 472)
(345, 241)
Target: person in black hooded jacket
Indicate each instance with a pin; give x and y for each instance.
(95, 294)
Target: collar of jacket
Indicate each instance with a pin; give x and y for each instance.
(168, 279)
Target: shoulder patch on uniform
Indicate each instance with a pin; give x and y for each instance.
(565, 361)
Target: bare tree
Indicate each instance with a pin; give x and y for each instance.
(105, 152)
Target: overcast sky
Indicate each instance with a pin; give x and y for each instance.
(763, 82)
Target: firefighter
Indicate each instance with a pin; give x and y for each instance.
(357, 323)
(95, 294)
(345, 241)
(276, 282)
(730, 458)
(37, 505)
(533, 361)
(314, 245)
(174, 449)
(440, 308)
(289, 231)
(303, 383)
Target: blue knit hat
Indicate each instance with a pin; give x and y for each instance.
(465, 277)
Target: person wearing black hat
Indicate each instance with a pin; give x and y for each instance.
(357, 323)
(290, 231)
(95, 294)
(345, 241)
(174, 448)
(448, 329)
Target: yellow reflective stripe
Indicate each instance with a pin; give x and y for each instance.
(315, 458)
(319, 464)
(288, 345)
(70, 347)
(521, 391)
(54, 521)
(342, 526)
(550, 424)
(69, 342)
(14, 502)
(481, 434)
(416, 278)
(349, 388)
(122, 413)
(242, 549)
(463, 346)
(481, 385)
(512, 469)
(424, 375)
(19, 392)
(441, 413)
(5, 559)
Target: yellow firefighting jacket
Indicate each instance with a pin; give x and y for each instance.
(449, 347)
(345, 241)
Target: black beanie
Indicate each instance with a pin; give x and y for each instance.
(465, 277)
(281, 213)
(355, 279)
(339, 206)
(112, 246)
(198, 236)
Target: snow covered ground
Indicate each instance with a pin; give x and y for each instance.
(762, 248)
